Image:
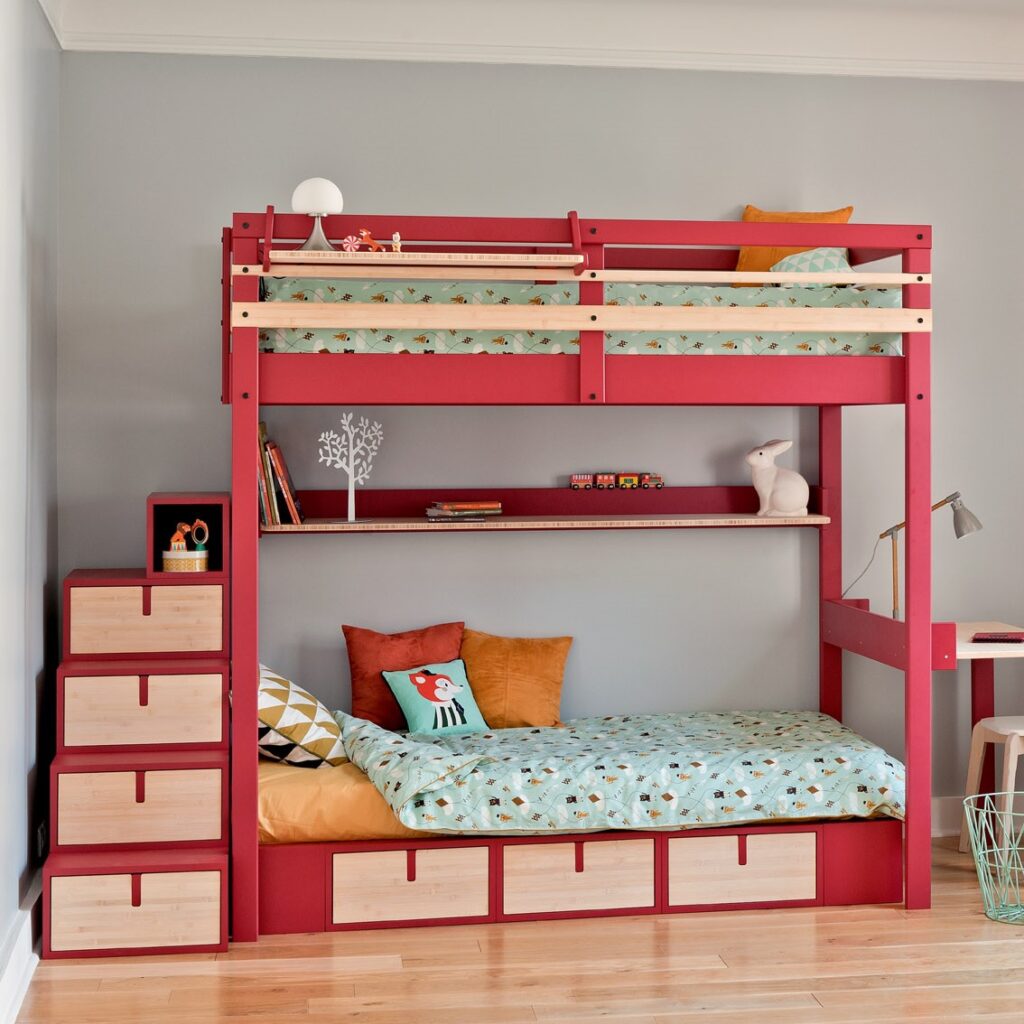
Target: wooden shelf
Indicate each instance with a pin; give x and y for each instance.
(577, 522)
(426, 259)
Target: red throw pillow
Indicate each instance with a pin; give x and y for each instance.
(370, 653)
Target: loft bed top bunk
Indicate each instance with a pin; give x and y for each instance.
(592, 285)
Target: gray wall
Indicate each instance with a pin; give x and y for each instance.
(29, 92)
(158, 152)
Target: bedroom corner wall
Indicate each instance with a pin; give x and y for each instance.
(29, 188)
(160, 149)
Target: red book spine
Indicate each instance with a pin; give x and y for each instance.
(285, 482)
(466, 506)
(264, 495)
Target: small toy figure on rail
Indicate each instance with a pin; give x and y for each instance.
(609, 481)
(179, 558)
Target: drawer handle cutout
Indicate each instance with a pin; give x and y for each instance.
(579, 858)
(741, 851)
(140, 787)
(136, 890)
(147, 600)
(143, 691)
(410, 865)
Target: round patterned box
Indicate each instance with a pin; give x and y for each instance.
(186, 561)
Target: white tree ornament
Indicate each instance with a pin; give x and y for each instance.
(353, 450)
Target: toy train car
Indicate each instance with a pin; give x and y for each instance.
(608, 481)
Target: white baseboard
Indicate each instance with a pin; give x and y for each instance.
(946, 812)
(18, 960)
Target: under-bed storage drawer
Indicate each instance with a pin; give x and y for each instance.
(410, 885)
(158, 799)
(756, 868)
(98, 906)
(101, 705)
(123, 615)
(566, 877)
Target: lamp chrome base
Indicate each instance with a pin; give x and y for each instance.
(317, 241)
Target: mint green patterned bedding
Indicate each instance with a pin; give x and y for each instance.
(633, 772)
(282, 289)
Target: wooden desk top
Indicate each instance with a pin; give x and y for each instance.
(966, 650)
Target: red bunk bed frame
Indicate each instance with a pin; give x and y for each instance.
(256, 244)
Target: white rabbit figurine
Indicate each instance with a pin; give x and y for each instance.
(783, 492)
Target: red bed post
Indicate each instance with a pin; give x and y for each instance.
(830, 554)
(918, 676)
(244, 605)
(592, 361)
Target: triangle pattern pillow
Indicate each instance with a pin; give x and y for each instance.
(294, 726)
(814, 261)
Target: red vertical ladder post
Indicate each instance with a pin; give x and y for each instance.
(918, 577)
(592, 342)
(245, 600)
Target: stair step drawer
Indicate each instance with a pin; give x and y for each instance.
(548, 878)
(143, 803)
(410, 885)
(175, 706)
(120, 616)
(99, 912)
(734, 869)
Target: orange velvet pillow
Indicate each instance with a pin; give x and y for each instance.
(764, 257)
(370, 653)
(517, 681)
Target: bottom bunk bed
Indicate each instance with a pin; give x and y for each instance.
(633, 815)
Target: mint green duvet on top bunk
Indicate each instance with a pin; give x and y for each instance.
(632, 772)
(450, 342)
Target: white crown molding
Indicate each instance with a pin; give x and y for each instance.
(929, 39)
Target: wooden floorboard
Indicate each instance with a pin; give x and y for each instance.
(857, 965)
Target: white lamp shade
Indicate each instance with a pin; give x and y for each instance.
(317, 197)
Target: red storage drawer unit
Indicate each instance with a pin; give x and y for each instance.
(146, 705)
(104, 904)
(151, 799)
(122, 613)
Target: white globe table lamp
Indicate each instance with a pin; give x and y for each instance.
(317, 197)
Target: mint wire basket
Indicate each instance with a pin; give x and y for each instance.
(997, 843)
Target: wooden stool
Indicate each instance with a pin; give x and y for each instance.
(1008, 731)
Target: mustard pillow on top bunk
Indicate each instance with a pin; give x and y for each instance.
(763, 257)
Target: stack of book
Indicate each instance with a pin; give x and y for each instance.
(278, 501)
(446, 511)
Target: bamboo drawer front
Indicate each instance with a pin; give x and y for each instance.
(707, 870)
(141, 710)
(179, 908)
(187, 619)
(117, 806)
(95, 904)
(410, 885)
(565, 877)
